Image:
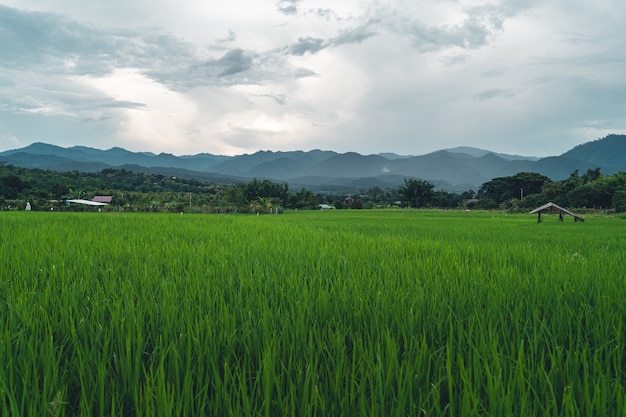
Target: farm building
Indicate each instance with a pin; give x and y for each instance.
(561, 210)
(102, 199)
(85, 202)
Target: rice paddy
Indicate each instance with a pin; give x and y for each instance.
(338, 313)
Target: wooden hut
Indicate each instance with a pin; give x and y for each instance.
(561, 210)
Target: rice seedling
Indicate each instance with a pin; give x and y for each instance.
(311, 313)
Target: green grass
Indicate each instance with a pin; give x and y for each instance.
(373, 313)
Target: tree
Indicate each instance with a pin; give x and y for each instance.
(591, 175)
(266, 189)
(444, 199)
(468, 195)
(303, 199)
(416, 193)
(619, 200)
(11, 186)
(263, 203)
(521, 184)
(572, 182)
(235, 195)
(591, 194)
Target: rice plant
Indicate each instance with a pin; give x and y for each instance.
(388, 313)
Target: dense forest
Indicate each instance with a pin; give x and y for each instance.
(50, 190)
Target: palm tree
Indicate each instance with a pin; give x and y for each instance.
(265, 203)
(416, 193)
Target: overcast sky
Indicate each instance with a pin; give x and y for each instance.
(529, 77)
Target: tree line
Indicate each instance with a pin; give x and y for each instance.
(132, 191)
(525, 190)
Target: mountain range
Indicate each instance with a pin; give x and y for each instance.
(455, 169)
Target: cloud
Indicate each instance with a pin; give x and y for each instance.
(95, 120)
(288, 7)
(61, 47)
(511, 8)
(478, 26)
(9, 141)
(472, 34)
(57, 44)
(303, 73)
(232, 62)
(43, 40)
(451, 60)
(354, 35)
(280, 99)
(313, 45)
(496, 72)
(360, 76)
(307, 44)
(325, 13)
(231, 37)
(494, 93)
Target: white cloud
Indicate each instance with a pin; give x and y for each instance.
(10, 142)
(160, 116)
(525, 76)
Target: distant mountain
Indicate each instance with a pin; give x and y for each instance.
(456, 169)
(608, 153)
(482, 152)
(53, 157)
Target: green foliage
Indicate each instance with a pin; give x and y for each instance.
(139, 191)
(591, 190)
(266, 189)
(303, 199)
(443, 199)
(619, 200)
(156, 192)
(416, 193)
(11, 186)
(379, 313)
(517, 186)
(590, 194)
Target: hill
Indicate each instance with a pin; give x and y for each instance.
(456, 169)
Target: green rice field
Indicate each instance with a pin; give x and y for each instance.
(335, 313)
